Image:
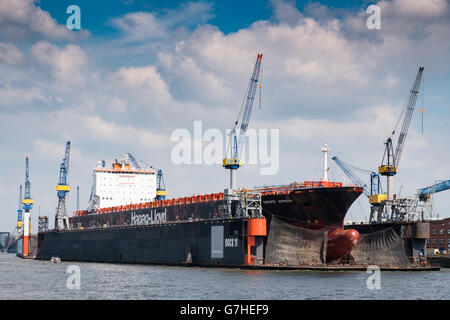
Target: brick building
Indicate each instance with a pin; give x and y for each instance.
(439, 235)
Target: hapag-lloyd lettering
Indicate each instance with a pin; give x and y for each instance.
(150, 218)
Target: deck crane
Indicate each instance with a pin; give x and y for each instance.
(373, 193)
(61, 217)
(232, 162)
(391, 159)
(161, 192)
(133, 161)
(27, 205)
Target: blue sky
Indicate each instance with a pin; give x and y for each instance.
(138, 70)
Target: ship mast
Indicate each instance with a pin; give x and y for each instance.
(325, 162)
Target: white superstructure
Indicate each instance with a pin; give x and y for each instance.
(122, 185)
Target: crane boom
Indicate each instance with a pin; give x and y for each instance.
(408, 115)
(353, 177)
(435, 188)
(250, 98)
(64, 168)
(27, 201)
(133, 161)
(19, 212)
(20, 200)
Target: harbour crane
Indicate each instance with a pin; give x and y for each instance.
(375, 186)
(425, 194)
(27, 205)
(18, 229)
(161, 192)
(391, 159)
(232, 161)
(61, 217)
(373, 192)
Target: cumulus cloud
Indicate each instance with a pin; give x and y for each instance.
(138, 26)
(68, 66)
(325, 78)
(10, 54)
(146, 82)
(13, 97)
(22, 19)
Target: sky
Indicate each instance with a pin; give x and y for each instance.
(138, 70)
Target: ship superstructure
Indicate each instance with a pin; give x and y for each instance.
(122, 183)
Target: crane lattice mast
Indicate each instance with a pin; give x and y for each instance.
(391, 159)
(61, 217)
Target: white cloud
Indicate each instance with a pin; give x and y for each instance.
(21, 19)
(10, 54)
(415, 8)
(13, 98)
(324, 80)
(145, 82)
(101, 130)
(68, 66)
(138, 26)
(50, 149)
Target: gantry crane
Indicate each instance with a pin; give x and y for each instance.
(373, 193)
(391, 159)
(232, 162)
(61, 217)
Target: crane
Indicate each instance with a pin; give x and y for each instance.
(27, 200)
(18, 229)
(62, 188)
(27, 205)
(232, 162)
(19, 210)
(391, 159)
(374, 193)
(133, 161)
(375, 185)
(426, 193)
(160, 186)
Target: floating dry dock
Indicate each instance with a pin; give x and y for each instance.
(295, 226)
(247, 243)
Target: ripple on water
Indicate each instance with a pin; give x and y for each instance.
(32, 279)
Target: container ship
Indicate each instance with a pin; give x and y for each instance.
(130, 220)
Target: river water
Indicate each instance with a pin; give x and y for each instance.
(33, 279)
